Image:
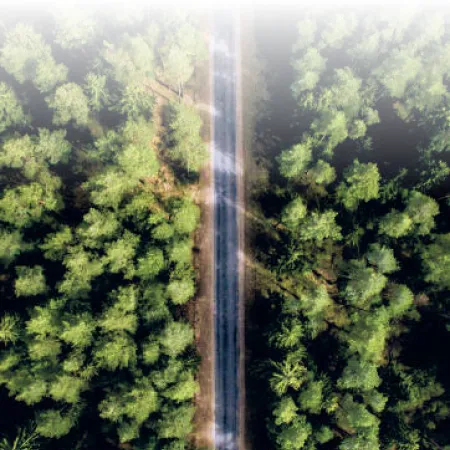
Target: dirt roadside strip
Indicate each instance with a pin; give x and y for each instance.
(202, 316)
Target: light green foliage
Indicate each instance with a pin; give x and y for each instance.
(357, 415)
(294, 162)
(11, 245)
(138, 162)
(82, 268)
(180, 291)
(117, 351)
(436, 261)
(286, 411)
(121, 315)
(395, 224)
(400, 299)
(364, 283)
(322, 173)
(11, 112)
(30, 281)
(136, 402)
(337, 29)
(361, 184)
(24, 205)
(97, 227)
(27, 57)
(52, 146)
(75, 27)
(319, 226)
(294, 213)
(56, 244)
(25, 439)
(70, 105)
(382, 258)
(9, 329)
(294, 435)
(175, 338)
(67, 388)
(184, 389)
(323, 435)
(120, 254)
(397, 71)
(151, 264)
(150, 351)
(375, 400)
(136, 101)
(360, 375)
(311, 397)
(183, 48)
(368, 335)
(331, 125)
(78, 331)
(186, 144)
(176, 422)
(308, 69)
(287, 375)
(96, 90)
(54, 424)
(132, 61)
(185, 217)
(109, 188)
(422, 210)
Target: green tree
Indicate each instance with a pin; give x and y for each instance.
(286, 411)
(175, 338)
(30, 281)
(395, 224)
(436, 261)
(294, 435)
(361, 184)
(27, 57)
(70, 105)
(11, 112)
(186, 144)
(360, 375)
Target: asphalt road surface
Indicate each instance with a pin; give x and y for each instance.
(226, 234)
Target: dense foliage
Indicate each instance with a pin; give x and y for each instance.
(354, 249)
(97, 214)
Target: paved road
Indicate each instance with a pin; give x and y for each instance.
(226, 235)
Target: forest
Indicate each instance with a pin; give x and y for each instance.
(98, 183)
(351, 318)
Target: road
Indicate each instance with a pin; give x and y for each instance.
(226, 237)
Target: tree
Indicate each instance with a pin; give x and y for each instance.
(11, 112)
(25, 439)
(180, 291)
(175, 338)
(9, 329)
(360, 375)
(364, 283)
(294, 435)
(11, 245)
(70, 105)
(311, 397)
(185, 216)
(175, 422)
(151, 264)
(288, 374)
(96, 90)
(395, 224)
(436, 261)
(75, 27)
(286, 411)
(27, 58)
(382, 258)
(294, 161)
(30, 281)
(361, 184)
(54, 424)
(422, 210)
(294, 213)
(120, 254)
(322, 173)
(400, 299)
(24, 205)
(186, 145)
(115, 351)
(319, 226)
